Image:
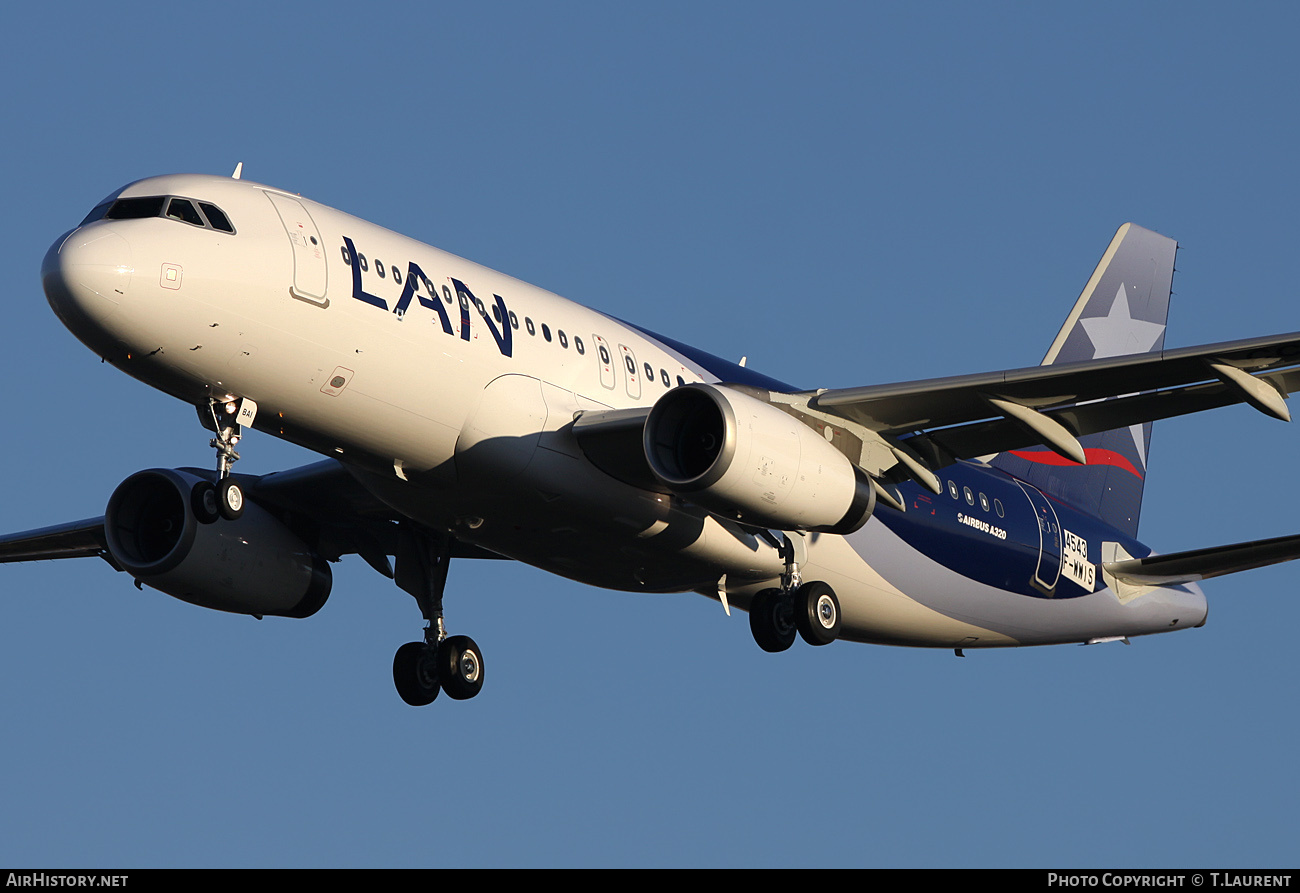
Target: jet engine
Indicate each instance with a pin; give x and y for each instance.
(745, 459)
(252, 565)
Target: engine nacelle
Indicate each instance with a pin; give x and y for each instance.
(253, 565)
(745, 459)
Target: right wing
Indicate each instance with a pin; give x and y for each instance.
(955, 418)
(348, 520)
(77, 539)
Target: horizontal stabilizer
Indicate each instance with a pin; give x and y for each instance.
(1201, 564)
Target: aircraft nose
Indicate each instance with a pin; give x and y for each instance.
(86, 274)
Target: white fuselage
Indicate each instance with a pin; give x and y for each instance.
(456, 408)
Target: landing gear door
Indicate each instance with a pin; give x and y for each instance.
(308, 251)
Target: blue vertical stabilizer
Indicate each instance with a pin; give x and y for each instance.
(1123, 310)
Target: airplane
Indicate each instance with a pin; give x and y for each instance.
(463, 414)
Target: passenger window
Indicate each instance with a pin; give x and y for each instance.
(379, 267)
(347, 258)
(397, 276)
(952, 489)
(984, 502)
(496, 312)
(546, 331)
(182, 209)
(604, 355)
(680, 381)
(649, 372)
(514, 321)
(997, 506)
(577, 342)
(361, 257)
(663, 376)
(564, 339)
(217, 218)
(529, 323)
(970, 497)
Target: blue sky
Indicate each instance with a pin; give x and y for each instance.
(846, 193)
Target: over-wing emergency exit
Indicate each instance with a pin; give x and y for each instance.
(465, 414)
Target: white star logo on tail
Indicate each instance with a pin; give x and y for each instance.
(1118, 334)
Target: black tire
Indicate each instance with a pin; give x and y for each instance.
(230, 499)
(771, 621)
(203, 502)
(460, 667)
(415, 673)
(817, 613)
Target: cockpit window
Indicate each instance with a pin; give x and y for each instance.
(152, 206)
(97, 212)
(216, 217)
(131, 208)
(183, 209)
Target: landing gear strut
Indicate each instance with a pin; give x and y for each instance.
(809, 609)
(225, 499)
(453, 664)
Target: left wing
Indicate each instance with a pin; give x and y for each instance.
(964, 416)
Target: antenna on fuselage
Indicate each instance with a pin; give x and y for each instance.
(239, 169)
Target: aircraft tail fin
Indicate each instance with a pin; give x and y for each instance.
(1123, 310)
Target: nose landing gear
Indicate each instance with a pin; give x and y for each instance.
(225, 498)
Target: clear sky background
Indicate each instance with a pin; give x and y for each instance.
(848, 194)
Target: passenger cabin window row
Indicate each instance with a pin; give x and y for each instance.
(969, 496)
(531, 327)
(204, 215)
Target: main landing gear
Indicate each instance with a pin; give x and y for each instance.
(809, 609)
(452, 664)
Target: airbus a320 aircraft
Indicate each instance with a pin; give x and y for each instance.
(465, 414)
